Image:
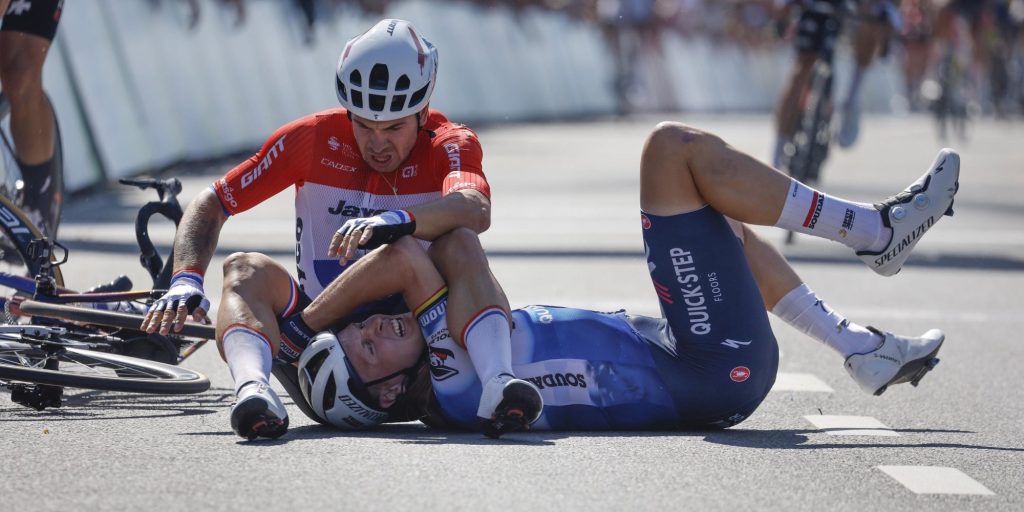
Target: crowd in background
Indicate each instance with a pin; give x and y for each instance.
(991, 48)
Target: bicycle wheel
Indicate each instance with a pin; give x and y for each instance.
(16, 231)
(107, 318)
(24, 362)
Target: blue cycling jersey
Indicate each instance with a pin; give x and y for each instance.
(708, 363)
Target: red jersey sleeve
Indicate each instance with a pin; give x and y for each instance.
(462, 157)
(283, 161)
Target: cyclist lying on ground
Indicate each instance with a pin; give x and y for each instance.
(709, 363)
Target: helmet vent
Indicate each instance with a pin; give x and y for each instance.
(342, 91)
(417, 96)
(397, 103)
(377, 102)
(356, 78)
(357, 98)
(315, 362)
(329, 393)
(403, 83)
(379, 78)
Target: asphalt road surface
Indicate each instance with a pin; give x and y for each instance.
(566, 231)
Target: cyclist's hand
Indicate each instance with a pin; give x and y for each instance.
(185, 294)
(370, 233)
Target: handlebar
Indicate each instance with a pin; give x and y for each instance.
(170, 186)
(168, 206)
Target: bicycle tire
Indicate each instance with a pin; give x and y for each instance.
(812, 139)
(107, 318)
(124, 373)
(16, 231)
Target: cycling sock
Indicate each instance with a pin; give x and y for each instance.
(804, 311)
(248, 354)
(37, 179)
(855, 225)
(488, 339)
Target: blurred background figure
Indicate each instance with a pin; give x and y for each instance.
(527, 59)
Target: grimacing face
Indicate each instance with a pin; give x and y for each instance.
(380, 346)
(384, 145)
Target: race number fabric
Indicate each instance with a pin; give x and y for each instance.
(318, 155)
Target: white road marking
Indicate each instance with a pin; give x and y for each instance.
(786, 381)
(850, 425)
(935, 480)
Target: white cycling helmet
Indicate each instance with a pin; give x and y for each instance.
(387, 73)
(332, 388)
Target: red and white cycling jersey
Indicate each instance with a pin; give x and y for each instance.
(333, 184)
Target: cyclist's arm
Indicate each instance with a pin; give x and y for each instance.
(198, 232)
(466, 198)
(402, 267)
(468, 208)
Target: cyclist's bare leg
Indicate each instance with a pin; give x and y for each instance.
(473, 290)
(868, 41)
(479, 319)
(21, 73)
(256, 289)
(786, 295)
(683, 168)
(787, 114)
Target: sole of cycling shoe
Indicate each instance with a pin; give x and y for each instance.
(263, 426)
(913, 371)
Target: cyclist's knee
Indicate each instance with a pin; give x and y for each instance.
(459, 247)
(242, 269)
(405, 255)
(672, 141)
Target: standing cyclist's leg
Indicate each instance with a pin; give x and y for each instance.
(256, 291)
(787, 113)
(699, 166)
(872, 30)
(811, 35)
(25, 40)
(478, 319)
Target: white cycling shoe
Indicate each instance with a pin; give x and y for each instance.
(899, 359)
(508, 404)
(914, 211)
(258, 412)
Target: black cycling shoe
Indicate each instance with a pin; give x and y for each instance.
(258, 413)
(521, 405)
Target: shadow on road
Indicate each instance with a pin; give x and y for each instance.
(105, 405)
(799, 440)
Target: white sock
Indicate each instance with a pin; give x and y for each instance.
(804, 311)
(248, 354)
(488, 339)
(855, 225)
